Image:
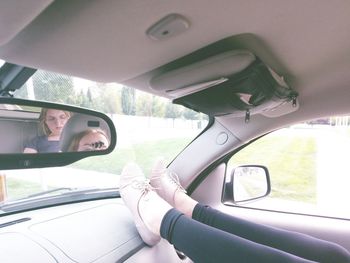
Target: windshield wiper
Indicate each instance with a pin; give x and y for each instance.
(70, 195)
(49, 192)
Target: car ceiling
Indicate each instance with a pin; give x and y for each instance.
(105, 40)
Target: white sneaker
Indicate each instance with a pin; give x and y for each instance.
(134, 187)
(164, 182)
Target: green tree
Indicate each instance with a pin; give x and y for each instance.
(144, 104)
(158, 107)
(172, 112)
(149, 105)
(53, 87)
(109, 100)
(101, 97)
(189, 114)
(22, 92)
(128, 101)
(84, 100)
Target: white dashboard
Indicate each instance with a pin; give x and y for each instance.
(92, 231)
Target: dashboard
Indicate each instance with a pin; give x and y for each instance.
(92, 231)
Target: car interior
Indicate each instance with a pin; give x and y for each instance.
(253, 68)
(15, 122)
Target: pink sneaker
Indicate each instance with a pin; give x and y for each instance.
(164, 182)
(133, 187)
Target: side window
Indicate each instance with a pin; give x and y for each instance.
(308, 167)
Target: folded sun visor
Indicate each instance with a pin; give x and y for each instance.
(235, 82)
(202, 74)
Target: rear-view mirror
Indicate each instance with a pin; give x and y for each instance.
(42, 134)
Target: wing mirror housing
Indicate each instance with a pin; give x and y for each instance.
(246, 183)
(42, 134)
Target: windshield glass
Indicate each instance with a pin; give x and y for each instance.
(147, 126)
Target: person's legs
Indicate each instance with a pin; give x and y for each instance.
(203, 243)
(154, 217)
(292, 242)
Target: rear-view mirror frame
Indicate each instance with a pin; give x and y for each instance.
(39, 160)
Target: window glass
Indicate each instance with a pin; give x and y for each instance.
(308, 167)
(147, 126)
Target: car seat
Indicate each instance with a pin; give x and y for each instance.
(79, 123)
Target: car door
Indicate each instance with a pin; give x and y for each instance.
(307, 163)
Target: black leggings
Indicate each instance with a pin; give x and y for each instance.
(217, 237)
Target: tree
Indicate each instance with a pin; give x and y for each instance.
(190, 114)
(84, 100)
(109, 100)
(149, 105)
(128, 101)
(53, 87)
(172, 111)
(22, 92)
(144, 104)
(158, 107)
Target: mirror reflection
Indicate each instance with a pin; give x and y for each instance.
(33, 130)
(51, 124)
(89, 140)
(250, 182)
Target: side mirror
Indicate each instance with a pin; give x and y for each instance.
(41, 134)
(247, 183)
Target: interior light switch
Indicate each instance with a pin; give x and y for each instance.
(167, 27)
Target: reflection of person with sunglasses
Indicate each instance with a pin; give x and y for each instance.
(89, 140)
(51, 122)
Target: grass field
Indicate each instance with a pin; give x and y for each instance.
(143, 154)
(291, 162)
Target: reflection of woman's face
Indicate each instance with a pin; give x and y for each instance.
(55, 121)
(93, 141)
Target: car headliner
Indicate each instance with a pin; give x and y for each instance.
(105, 41)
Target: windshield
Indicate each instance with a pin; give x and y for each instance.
(147, 127)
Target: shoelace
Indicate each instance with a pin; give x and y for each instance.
(140, 184)
(173, 178)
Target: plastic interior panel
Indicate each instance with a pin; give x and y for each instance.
(12, 243)
(204, 148)
(91, 232)
(16, 134)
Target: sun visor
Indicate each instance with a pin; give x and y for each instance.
(256, 89)
(203, 74)
(233, 83)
